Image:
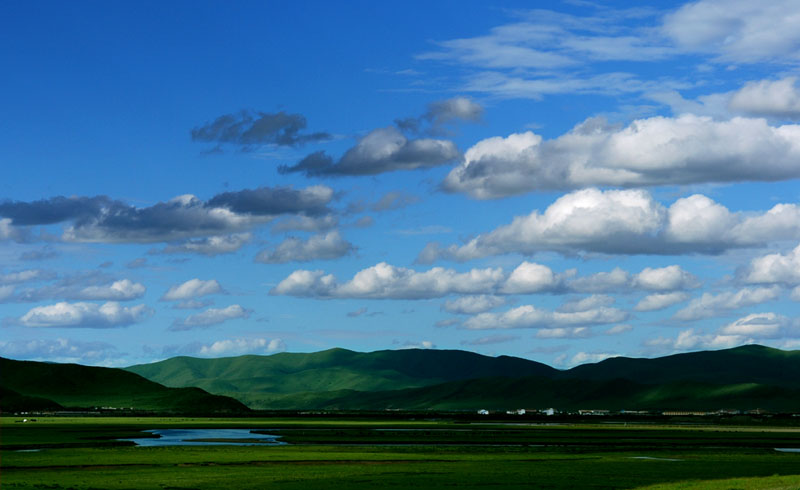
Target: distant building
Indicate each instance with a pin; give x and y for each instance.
(483, 412)
(549, 411)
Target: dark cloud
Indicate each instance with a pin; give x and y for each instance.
(382, 150)
(55, 210)
(249, 128)
(275, 201)
(101, 219)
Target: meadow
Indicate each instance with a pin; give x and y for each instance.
(84, 453)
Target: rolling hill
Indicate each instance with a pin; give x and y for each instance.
(744, 377)
(29, 385)
(268, 381)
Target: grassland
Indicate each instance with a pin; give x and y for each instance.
(82, 453)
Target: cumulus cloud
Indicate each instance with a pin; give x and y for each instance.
(318, 247)
(470, 305)
(709, 305)
(239, 346)
(443, 113)
(382, 150)
(773, 269)
(210, 246)
(659, 301)
(251, 128)
(212, 316)
(385, 281)
(768, 98)
(528, 316)
(654, 151)
(192, 288)
(85, 315)
(101, 219)
(491, 339)
(82, 287)
(586, 304)
(628, 222)
(564, 333)
(59, 350)
(737, 30)
(618, 329)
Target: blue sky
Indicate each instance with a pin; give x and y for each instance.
(563, 182)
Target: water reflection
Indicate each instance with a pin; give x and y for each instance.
(206, 437)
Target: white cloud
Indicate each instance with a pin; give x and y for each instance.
(491, 339)
(211, 246)
(318, 247)
(709, 305)
(602, 282)
(239, 346)
(85, 315)
(530, 278)
(122, 290)
(774, 269)
(659, 301)
(528, 316)
(212, 316)
(586, 304)
(628, 222)
(59, 350)
(750, 329)
(6, 292)
(307, 223)
(386, 281)
(192, 288)
(738, 30)
(563, 333)
(424, 344)
(583, 358)
(27, 275)
(668, 278)
(618, 329)
(653, 151)
(470, 305)
(770, 98)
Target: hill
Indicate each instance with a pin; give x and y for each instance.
(744, 377)
(746, 364)
(263, 381)
(29, 385)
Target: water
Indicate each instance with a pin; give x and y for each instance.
(206, 437)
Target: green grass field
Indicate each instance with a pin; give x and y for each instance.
(81, 454)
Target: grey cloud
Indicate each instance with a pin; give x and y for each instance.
(491, 339)
(318, 247)
(382, 150)
(210, 246)
(101, 219)
(37, 255)
(247, 128)
(394, 200)
(212, 316)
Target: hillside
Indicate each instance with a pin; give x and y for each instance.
(745, 364)
(744, 377)
(259, 381)
(39, 385)
(565, 394)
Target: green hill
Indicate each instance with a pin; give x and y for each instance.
(745, 364)
(744, 377)
(564, 394)
(263, 381)
(43, 386)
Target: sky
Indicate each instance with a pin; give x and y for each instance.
(559, 181)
